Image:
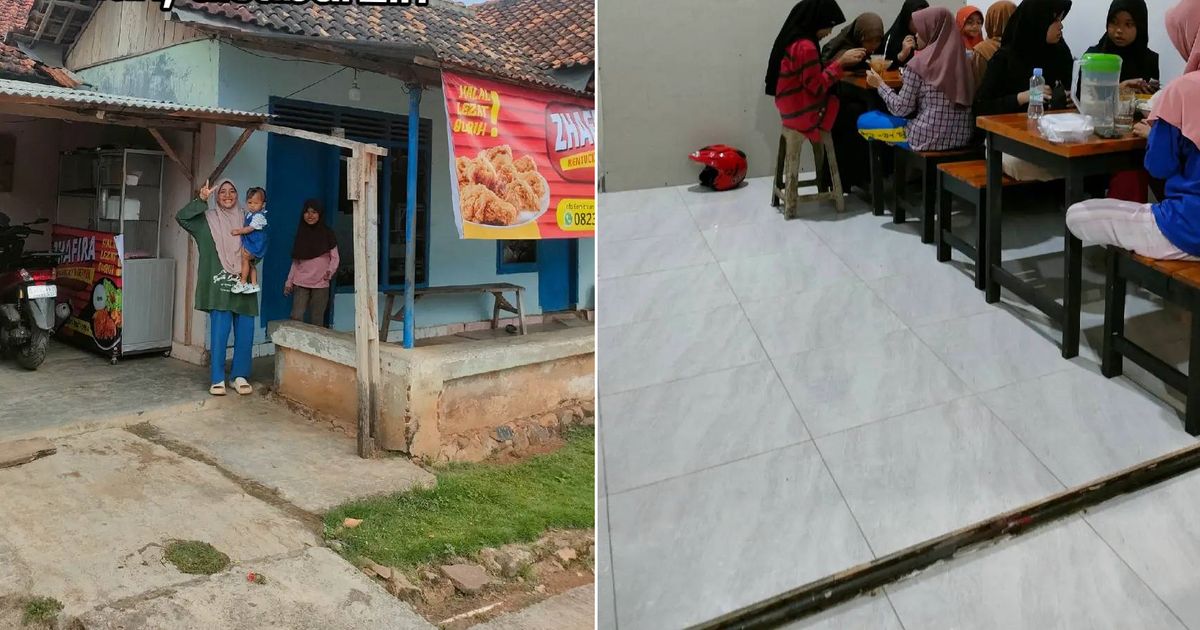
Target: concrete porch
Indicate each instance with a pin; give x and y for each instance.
(453, 398)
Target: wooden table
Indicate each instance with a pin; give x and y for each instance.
(496, 289)
(890, 77)
(1017, 136)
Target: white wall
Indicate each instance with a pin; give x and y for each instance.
(675, 75)
(1086, 23)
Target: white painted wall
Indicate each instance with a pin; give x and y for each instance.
(675, 75)
(1086, 23)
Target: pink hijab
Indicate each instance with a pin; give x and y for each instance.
(221, 222)
(1171, 105)
(942, 62)
(1183, 27)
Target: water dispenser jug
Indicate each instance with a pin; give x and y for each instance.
(1095, 87)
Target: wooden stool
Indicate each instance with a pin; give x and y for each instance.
(966, 181)
(786, 186)
(1177, 282)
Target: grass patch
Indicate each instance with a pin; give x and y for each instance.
(475, 506)
(40, 610)
(195, 557)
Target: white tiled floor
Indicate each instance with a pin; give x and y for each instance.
(781, 400)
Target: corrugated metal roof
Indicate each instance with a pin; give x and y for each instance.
(55, 95)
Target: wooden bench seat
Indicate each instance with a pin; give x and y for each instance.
(496, 289)
(926, 162)
(1175, 281)
(966, 180)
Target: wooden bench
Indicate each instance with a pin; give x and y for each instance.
(966, 181)
(926, 162)
(1175, 281)
(497, 290)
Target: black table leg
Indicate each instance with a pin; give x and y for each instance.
(990, 250)
(1073, 269)
(1111, 360)
(876, 154)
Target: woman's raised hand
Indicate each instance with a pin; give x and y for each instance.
(853, 57)
(205, 191)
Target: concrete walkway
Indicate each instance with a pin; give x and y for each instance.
(572, 610)
(313, 590)
(145, 456)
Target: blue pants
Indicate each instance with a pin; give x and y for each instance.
(883, 127)
(219, 323)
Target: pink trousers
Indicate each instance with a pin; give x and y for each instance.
(1126, 224)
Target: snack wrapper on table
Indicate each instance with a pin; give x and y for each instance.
(1066, 128)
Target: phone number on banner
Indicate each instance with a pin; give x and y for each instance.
(577, 215)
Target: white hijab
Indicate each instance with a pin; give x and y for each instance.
(221, 222)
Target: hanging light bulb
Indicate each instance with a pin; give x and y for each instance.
(355, 93)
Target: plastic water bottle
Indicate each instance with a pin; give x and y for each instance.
(1036, 94)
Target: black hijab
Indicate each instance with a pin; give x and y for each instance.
(893, 41)
(806, 18)
(1024, 42)
(1137, 60)
(313, 240)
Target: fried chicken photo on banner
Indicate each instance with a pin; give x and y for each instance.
(481, 205)
(494, 188)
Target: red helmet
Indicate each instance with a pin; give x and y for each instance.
(725, 166)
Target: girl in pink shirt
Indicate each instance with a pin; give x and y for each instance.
(314, 261)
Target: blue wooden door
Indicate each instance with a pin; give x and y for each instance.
(558, 271)
(296, 170)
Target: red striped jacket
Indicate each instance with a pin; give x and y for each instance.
(804, 94)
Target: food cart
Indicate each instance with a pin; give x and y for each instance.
(107, 232)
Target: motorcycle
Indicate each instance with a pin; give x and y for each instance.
(27, 294)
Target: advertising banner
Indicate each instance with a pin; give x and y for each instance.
(89, 280)
(524, 160)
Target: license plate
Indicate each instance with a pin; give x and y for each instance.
(41, 291)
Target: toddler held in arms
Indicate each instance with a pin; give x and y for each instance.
(254, 240)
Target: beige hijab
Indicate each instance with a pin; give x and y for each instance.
(221, 222)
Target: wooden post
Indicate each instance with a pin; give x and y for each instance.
(237, 146)
(361, 189)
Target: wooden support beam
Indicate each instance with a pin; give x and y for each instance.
(325, 139)
(233, 151)
(66, 23)
(45, 20)
(174, 157)
(59, 113)
(361, 179)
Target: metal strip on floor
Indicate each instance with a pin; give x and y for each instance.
(841, 587)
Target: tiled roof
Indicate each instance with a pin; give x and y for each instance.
(556, 33)
(14, 64)
(13, 15)
(458, 34)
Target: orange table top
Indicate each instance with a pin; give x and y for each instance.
(890, 77)
(1018, 127)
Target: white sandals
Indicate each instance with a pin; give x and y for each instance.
(217, 389)
(242, 386)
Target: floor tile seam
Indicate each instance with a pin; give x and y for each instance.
(1104, 541)
(612, 567)
(707, 372)
(1004, 423)
(708, 468)
(646, 273)
(894, 416)
(807, 429)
